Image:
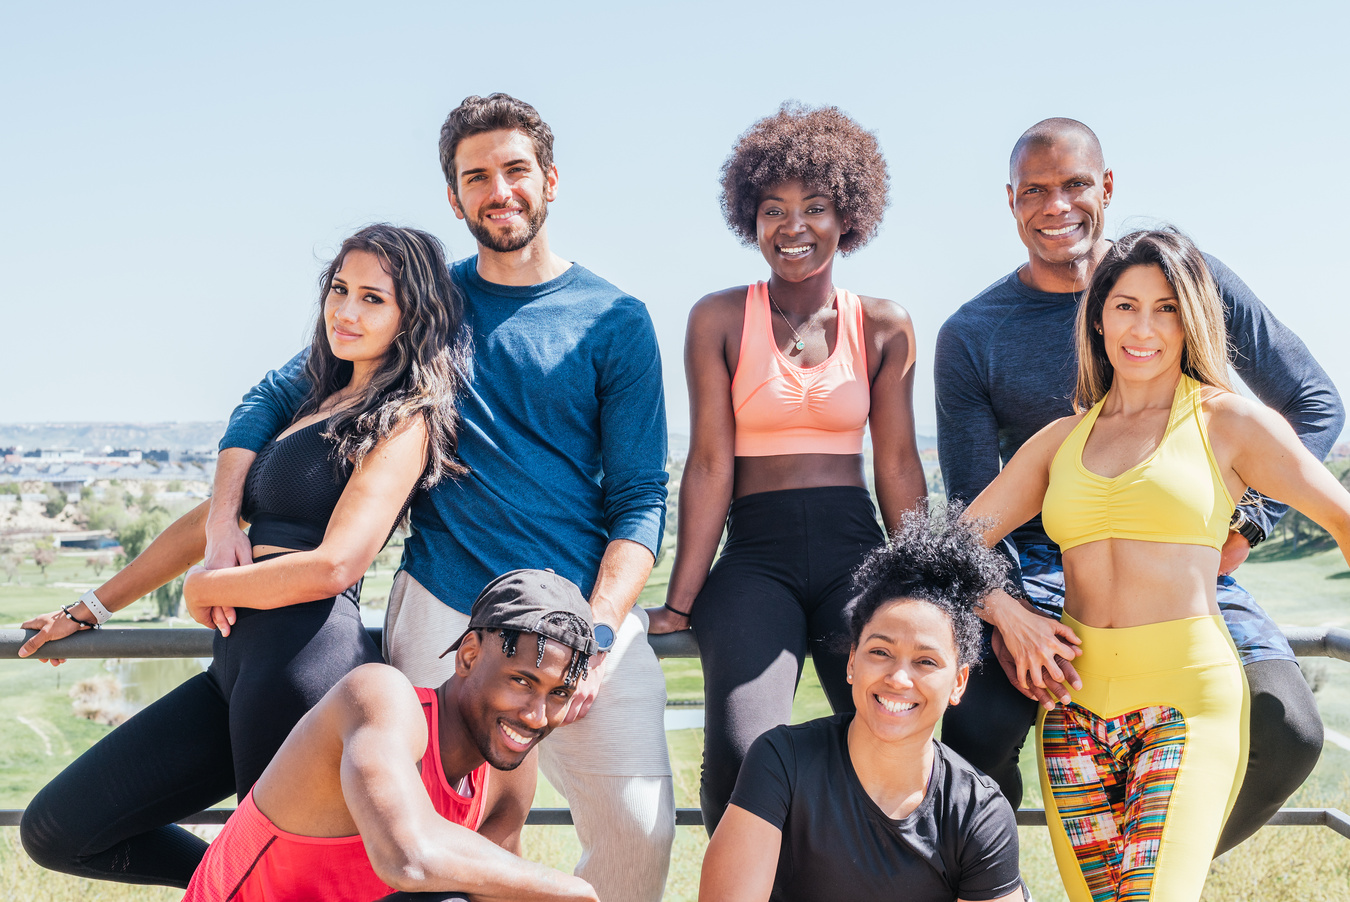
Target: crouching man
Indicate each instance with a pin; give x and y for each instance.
(384, 788)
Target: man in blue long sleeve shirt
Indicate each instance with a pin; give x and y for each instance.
(564, 434)
(1005, 367)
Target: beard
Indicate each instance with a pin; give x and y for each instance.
(513, 240)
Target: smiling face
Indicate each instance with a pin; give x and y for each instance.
(360, 311)
(799, 230)
(508, 704)
(500, 191)
(1059, 195)
(1141, 326)
(904, 670)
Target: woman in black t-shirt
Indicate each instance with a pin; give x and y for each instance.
(867, 807)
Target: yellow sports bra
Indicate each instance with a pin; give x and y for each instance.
(1176, 495)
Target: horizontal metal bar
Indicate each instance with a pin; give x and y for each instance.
(115, 642)
(1337, 820)
(195, 642)
(1318, 641)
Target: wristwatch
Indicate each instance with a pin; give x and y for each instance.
(1246, 527)
(604, 637)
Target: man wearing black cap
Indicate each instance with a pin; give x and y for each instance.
(384, 788)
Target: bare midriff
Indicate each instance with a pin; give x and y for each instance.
(797, 471)
(1118, 583)
(261, 550)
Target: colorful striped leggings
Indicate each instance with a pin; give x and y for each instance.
(1140, 771)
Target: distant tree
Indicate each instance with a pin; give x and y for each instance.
(98, 563)
(147, 501)
(10, 562)
(134, 536)
(174, 485)
(44, 558)
(169, 598)
(56, 501)
(10, 488)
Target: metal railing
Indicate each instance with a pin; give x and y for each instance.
(1321, 642)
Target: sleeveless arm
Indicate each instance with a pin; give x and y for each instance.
(358, 528)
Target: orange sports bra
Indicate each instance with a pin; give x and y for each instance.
(784, 409)
(1176, 495)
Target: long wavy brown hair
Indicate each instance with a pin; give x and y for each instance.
(422, 372)
(1205, 355)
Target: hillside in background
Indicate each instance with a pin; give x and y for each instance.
(92, 436)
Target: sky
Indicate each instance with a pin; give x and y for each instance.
(174, 176)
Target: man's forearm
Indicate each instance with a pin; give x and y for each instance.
(623, 572)
(227, 490)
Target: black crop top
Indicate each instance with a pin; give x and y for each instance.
(291, 490)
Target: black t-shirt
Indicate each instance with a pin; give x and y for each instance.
(961, 842)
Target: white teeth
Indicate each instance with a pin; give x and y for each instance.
(1064, 231)
(514, 736)
(504, 214)
(895, 707)
(795, 251)
(1140, 353)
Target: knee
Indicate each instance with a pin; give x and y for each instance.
(1286, 730)
(49, 842)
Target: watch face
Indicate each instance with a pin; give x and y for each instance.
(604, 636)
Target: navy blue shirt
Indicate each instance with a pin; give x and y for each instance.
(563, 431)
(1005, 367)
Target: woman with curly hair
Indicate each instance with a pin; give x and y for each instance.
(785, 375)
(1141, 764)
(868, 806)
(322, 499)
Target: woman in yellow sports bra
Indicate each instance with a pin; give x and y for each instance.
(785, 376)
(1140, 766)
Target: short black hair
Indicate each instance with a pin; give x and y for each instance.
(822, 148)
(939, 558)
(1049, 132)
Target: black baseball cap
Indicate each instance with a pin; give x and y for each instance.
(523, 600)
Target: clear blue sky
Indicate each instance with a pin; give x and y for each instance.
(172, 177)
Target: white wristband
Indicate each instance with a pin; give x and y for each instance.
(101, 614)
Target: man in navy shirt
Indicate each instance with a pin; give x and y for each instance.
(1004, 368)
(564, 437)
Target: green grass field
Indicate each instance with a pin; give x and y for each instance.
(40, 735)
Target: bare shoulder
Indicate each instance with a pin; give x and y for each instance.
(372, 690)
(1047, 441)
(885, 317)
(719, 307)
(1234, 420)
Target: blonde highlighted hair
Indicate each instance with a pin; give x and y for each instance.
(1205, 355)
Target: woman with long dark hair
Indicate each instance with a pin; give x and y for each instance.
(1140, 767)
(785, 377)
(322, 498)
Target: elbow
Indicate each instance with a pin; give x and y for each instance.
(337, 574)
(402, 868)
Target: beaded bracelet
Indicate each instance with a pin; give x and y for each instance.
(84, 624)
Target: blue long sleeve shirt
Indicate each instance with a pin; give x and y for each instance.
(563, 430)
(1004, 367)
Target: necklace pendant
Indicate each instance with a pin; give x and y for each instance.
(800, 344)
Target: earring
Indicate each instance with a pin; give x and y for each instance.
(849, 678)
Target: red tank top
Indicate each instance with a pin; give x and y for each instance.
(253, 861)
(785, 409)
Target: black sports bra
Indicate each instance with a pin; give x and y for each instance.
(291, 490)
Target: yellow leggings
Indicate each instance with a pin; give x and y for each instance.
(1140, 771)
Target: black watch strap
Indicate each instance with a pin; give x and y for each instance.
(1248, 528)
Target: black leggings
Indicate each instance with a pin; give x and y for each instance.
(990, 725)
(110, 815)
(778, 590)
